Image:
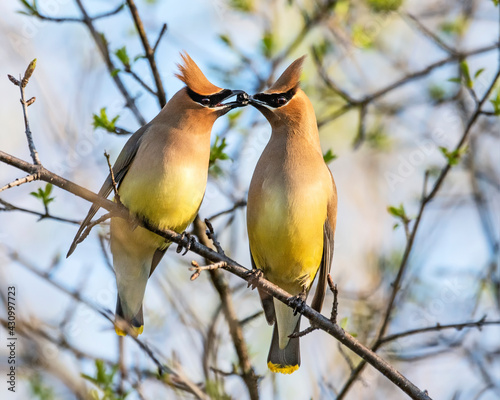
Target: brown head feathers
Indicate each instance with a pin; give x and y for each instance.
(191, 75)
(288, 79)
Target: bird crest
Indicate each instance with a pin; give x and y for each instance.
(288, 79)
(191, 75)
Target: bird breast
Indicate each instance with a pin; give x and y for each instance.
(166, 186)
(287, 209)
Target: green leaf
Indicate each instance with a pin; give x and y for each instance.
(226, 40)
(102, 121)
(362, 36)
(496, 2)
(321, 49)
(343, 322)
(456, 80)
(44, 195)
(115, 72)
(233, 117)
(478, 72)
(329, 156)
(122, 55)
(496, 103)
(267, 44)
(453, 157)
(464, 67)
(103, 38)
(241, 5)
(384, 5)
(39, 389)
(30, 8)
(103, 379)
(436, 92)
(217, 153)
(456, 27)
(398, 212)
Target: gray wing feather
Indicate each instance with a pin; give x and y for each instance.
(120, 169)
(324, 269)
(265, 299)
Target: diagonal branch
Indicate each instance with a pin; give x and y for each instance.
(235, 268)
(149, 51)
(352, 103)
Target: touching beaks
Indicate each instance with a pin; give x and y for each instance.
(242, 99)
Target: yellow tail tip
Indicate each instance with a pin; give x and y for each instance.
(282, 369)
(133, 331)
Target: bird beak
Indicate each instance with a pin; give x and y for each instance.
(241, 100)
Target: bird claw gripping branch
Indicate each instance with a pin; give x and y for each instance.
(191, 240)
(253, 277)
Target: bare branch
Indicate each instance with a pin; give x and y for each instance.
(113, 181)
(198, 269)
(150, 54)
(438, 327)
(20, 181)
(11, 207)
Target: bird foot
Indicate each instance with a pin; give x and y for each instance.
(191, 239)
(298, 302)
(253, 277)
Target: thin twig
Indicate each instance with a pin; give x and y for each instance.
(211, 235)
(198, 268)
(438, 327)
(20, 181)
(238, 204)
(160, 36)
(27, 75)
(12, 207)
(91, 224)
(75, 19)
(335, 304)
(113, 181)
(149, 52)
(403, 81)
(434, 38)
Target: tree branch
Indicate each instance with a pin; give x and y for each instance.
(150, 53)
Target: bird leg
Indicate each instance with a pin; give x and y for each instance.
(298, 302)
(191, 240)
(253, 277)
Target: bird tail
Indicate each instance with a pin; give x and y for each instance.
(135, 324)
(286, 360)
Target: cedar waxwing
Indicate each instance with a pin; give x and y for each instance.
(161, 175)
(291, 211)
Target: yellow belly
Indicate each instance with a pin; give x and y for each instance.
(170, 198)
(286, 238)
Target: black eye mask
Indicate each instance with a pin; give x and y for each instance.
(276, 100)
(212, 100)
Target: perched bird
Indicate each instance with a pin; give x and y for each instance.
(291, 211)
(161, 175)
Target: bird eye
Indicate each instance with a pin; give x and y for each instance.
(281, 101)
(205, 101)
